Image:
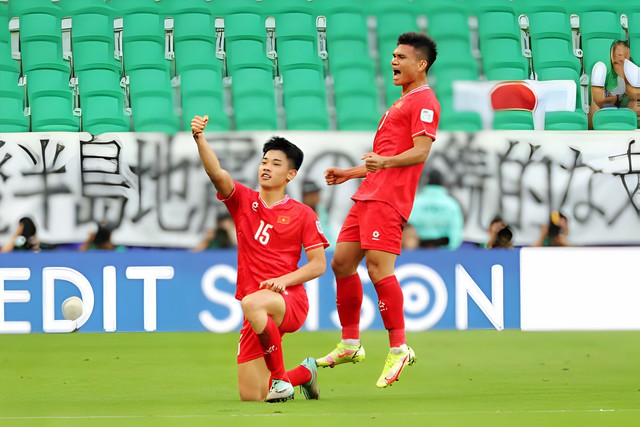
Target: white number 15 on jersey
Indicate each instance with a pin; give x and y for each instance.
(262, 235)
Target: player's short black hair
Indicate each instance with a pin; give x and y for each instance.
(293, 153)
(423, 44)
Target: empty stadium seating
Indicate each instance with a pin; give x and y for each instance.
(12, 118)
(251, 71)
(300, 66)
(352, 68)
(199, 70)
(448, 26)
(238, 83)
(49, 94)
(145, 64)
(553, 56)
(101, 97)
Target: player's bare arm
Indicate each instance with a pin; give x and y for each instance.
(218, 176)
(413, 156)
(313, 269)
(335, 176)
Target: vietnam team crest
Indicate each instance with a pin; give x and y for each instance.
(284, 219)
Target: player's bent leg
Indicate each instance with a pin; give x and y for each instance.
(343, 353)
(394, 365)
(253, 380)
(258, 305)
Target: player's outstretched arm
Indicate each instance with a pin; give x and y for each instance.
(220, 177)
(413, 156)
(314, 268)
(335, 176)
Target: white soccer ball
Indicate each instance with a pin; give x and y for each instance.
(72, 308)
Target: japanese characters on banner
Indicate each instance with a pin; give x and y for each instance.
(155, 189)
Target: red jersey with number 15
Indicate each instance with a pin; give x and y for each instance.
(270, 239)
(414, 114)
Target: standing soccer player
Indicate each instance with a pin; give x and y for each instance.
(271, 230)
(383, 202)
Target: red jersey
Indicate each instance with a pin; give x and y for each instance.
(414, 114)
(270, 239)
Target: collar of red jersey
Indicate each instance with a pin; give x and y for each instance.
(280, 202)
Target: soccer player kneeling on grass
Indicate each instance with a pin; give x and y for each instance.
(383, 202)
(271, 229)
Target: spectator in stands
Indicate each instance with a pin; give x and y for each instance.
(500, 235)
(609, 87)
(556, 232)
(101, 238)
(25, 238)
(436, 215)
(223, 236)
(311, 197)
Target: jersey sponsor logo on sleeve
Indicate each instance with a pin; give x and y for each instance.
(284, 219)
(426, 115)
(319, 227)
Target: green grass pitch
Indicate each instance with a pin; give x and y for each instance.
(461, 378)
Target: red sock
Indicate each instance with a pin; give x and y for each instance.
(349, 302)
(391, 305)
(271, 342)
(299, 375)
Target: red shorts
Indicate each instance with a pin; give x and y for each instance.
(376, 225)
(296, 309)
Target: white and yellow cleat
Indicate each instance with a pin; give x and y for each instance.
(394, 365)
(343, 353)
(280, 391)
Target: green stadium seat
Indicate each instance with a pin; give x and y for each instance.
(599, 28)
(566, 120)
(300, 67)
(150, 89)
(356, 99)
(50, 97)
(499, 38)
(632, 10)
(252, 73)
(101, 97)
(199, 69)
(12, 118)
(253, 99)
(102, 102)
(553, 58)
(451, 120)
(352, 68)
(245, 40)
(305, 99)
(512, 120)
(51, 102)
(615, 119)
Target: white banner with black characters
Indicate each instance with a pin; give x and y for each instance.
(154, 189)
